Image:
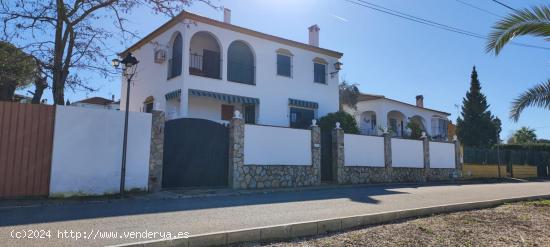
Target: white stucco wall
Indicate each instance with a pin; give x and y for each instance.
(266, 145)
(87, 151)
(362, 150)
(384, 106)
(442, 155)
(273, 91)
(407, 153)
(206, 108)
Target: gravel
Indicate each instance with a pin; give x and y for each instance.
(518, 224)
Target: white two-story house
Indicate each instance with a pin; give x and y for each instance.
(197, 67)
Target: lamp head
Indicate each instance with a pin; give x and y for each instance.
(338, 66)
(116, 63)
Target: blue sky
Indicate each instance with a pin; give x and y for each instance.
(391, 56)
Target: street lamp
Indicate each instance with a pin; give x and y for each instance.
(128, 70)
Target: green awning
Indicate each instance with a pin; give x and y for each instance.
(303, 103)
(173, 95)
(229, 98)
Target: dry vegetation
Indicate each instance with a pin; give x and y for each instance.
(519, 224)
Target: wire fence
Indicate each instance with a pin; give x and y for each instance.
(496, 156)
(507, 157)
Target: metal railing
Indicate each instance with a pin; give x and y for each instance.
(207, 67)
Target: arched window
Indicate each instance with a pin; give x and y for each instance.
(240, 63)
(175, 63)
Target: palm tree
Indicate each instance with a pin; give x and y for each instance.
(535, 22)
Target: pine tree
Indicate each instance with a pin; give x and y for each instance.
(477, 127)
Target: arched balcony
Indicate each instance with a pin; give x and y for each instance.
(368, 123)
(205, 56)
(396, 123)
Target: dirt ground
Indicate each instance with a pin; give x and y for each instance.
(518, 224)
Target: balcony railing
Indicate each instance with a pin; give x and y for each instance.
(174, 67)
(242, 73)
(204, 66)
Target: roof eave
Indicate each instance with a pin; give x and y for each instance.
(187, 15)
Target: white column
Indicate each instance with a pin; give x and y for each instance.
(184, 103)
(382, 119)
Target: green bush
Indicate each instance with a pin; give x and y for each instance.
(416, 130)
(347, 122)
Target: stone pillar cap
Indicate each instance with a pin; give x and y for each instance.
(314, 123)
(237, 115)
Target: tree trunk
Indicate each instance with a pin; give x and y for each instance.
(58, 94)
(39, 85)
(7, 90)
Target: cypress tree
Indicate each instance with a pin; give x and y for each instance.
(477, 127)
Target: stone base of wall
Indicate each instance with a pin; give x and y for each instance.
(443, 174)
(366, 175)
(275, 176)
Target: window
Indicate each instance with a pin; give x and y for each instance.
(148, 104)
(250, 114)
(240, 63)
(300, 118)
(320, 73)
(149, 107)
(439, 127)
(284, 65)
(227, 112)
(373, 122)
(175, 63)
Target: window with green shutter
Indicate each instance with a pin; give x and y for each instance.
(320, 73)
(283, 65)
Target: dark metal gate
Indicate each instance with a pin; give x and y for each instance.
(196, 154)
(326, 155)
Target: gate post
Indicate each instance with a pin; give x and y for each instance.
(458, 154)
(316, 150)
(157, 151)
(387, 150)
(426, 148)
(236, 150)
(338, 154)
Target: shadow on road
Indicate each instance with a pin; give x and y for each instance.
(136, 206)
(148, 205)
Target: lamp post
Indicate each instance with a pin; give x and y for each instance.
(128, 70)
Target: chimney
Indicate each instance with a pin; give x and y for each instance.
(314, 35)
(420, 101)
(227, 16)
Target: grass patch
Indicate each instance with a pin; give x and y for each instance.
(540, 203)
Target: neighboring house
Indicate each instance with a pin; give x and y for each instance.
(21, 98)
(375, 113)
(197, 67)
(98, 103)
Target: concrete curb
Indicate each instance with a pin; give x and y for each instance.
(312, 228)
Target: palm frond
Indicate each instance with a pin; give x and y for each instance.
(537, 96)
(535, 21)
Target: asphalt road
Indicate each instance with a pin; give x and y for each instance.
(145, 216)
